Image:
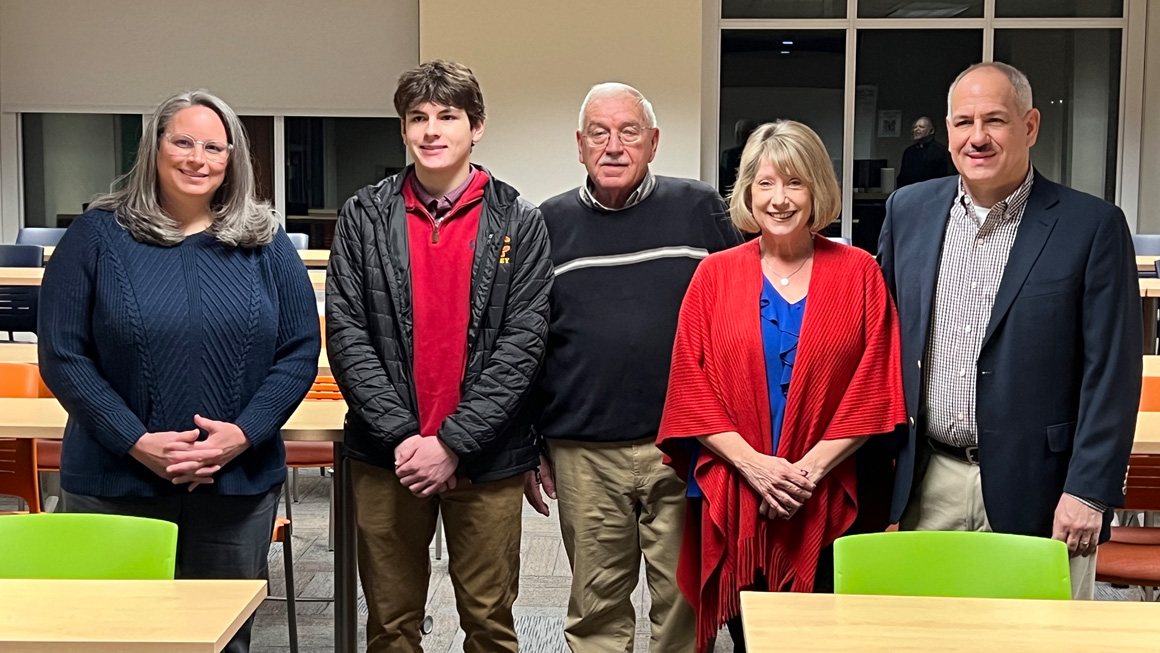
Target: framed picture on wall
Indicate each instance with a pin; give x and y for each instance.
(889, 124)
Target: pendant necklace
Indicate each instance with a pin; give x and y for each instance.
(784, 279)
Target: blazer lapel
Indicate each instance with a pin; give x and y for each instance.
(930, 229)
(1034, 228)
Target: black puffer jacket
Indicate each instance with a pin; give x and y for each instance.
(369, 330)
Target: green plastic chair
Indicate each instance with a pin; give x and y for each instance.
(949, 563)
(89, 547)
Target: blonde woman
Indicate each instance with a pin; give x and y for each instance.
(178, 328)
(786, 359)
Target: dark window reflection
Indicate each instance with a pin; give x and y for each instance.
(783, 8)
(1059, 8)
(260, 131)
(920, 9)
(1075, 78)
(768, 75)
(69, 158)
(327, 160)
(900, 108)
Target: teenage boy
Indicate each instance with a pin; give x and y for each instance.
(437, 313)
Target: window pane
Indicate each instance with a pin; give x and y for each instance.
(1075, 78)
(327, 160)
(71, 157)
(783, 8)
(260, 130)
(768, 75)
(920, 9)
(897, 84)
(1059, 8)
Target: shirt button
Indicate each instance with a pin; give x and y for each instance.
(962, 372)
(968, 328)
(978, 242)
(960, 416)
(974, 284)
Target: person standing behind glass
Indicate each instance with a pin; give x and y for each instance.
(926, 158)
(178, 328)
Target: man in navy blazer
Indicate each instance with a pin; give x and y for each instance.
(1021, 336)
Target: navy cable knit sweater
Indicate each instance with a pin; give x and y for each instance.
(137, 338)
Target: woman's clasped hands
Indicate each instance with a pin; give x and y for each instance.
(782, 486)
(179, 457)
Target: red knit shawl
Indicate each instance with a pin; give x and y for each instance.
(847, 382)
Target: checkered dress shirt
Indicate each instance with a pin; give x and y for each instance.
(973, 258)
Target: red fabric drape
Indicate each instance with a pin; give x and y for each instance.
(847, 382)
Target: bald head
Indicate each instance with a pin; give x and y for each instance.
(1020, 87)
(922, 128)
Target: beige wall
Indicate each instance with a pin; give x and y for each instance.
(536, 60)
(260, 55)
(1149, 206)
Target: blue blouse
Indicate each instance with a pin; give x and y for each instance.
(781, 324)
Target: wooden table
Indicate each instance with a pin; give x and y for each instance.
(313, 258)
(788, 622)
(1147, 439)
(18, 352)
(312, 421)
(124, 616)
(1146, 263)
(25, 352)
(21, 276)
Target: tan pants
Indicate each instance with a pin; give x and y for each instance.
(616, 502)
(482, 524)
(950, 498)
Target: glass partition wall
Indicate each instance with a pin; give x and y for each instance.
(871, 77)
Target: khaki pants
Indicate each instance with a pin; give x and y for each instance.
(618, 501)
(950, 498)
(482, 524)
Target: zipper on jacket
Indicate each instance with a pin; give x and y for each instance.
(434, 231)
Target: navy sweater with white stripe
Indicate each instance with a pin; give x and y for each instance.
(138, 338)
(620, 279)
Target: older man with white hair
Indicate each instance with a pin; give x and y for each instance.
(1021, 343)
(625, 245)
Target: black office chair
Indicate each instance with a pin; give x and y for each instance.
(18, 304)
(46, 236)
(300, 241)
(1147, 245)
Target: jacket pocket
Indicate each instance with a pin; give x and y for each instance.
(1053, 287)
(1059, 437)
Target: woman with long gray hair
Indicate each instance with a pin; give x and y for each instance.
(179, 330)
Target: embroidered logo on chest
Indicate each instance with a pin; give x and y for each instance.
(504, 253)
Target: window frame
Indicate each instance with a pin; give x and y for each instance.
(1132, 25)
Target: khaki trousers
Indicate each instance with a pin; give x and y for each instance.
(618, 501)
(950, 498)
(482, 524)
